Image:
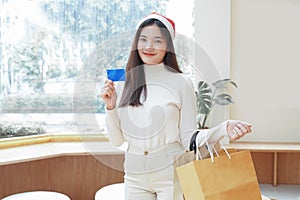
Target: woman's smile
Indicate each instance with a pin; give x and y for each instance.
(149, 54)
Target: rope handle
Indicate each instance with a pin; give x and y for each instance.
(211, 148)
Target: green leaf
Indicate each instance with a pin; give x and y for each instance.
(204, 98)
(224, 99)
(224, 83)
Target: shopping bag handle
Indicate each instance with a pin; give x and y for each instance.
(210, 148)
(225, 150)
(198, 154)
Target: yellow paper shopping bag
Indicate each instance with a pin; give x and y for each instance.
(224, 179)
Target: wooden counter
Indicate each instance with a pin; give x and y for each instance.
(275, 163)
(77, 169)
(79, 166)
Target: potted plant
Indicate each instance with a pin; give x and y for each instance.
(207, 98)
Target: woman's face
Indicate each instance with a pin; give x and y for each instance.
(152, 46)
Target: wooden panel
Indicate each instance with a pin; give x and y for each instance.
(263, 163)
(79, 177)
(288, 168)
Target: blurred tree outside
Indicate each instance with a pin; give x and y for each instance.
(44, 44)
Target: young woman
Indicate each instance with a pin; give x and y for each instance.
(154, 111)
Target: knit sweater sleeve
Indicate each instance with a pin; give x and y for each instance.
(113, 123)
(187, 124)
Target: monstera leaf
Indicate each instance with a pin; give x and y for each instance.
(204, 98)
(223, 99)
(224, 83)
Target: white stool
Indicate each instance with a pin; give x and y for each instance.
(114, 191)
(37, 195)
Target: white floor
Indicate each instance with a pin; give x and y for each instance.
(281, 192)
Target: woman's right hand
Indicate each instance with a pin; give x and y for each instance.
(109, 95)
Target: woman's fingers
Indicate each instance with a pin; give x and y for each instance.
(109, 85)
(237, 129)
(107, 89)
(109, 94)
(244, 127)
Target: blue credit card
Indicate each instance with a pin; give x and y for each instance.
(116, 74)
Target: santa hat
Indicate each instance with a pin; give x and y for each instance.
(170, 24)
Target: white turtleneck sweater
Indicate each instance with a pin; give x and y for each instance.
(168, 115)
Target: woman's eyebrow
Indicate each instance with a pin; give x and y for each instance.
(156, 37)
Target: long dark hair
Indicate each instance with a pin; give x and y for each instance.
(135, 82)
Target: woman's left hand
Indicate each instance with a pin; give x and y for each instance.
(237, 129)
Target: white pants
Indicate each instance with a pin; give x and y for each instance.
(161, 184)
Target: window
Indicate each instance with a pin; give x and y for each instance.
(54, 54)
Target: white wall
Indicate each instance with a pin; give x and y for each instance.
(265, 62)
(212, 35)
(212, 46)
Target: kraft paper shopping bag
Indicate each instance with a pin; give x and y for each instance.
(224, 179)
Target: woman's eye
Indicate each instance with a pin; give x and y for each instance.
(158, 41)
(142, 39)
